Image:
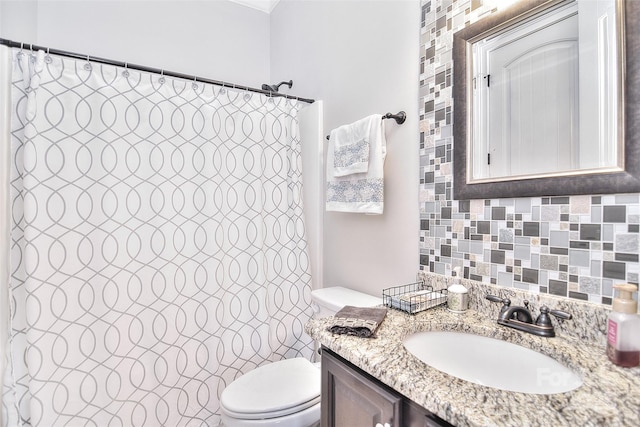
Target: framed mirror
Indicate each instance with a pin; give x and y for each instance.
(536, 113)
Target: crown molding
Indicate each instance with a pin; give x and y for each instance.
(262, 5)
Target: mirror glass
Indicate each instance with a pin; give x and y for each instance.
(545, 95)
(539, 95)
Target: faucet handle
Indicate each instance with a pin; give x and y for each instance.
(560, 314)
(544, 319)
(493, 298)
(506, 302)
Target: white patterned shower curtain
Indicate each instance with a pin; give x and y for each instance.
(157, 244)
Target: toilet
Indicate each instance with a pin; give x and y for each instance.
(286, 393)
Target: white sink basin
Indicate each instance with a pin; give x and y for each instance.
(491, 362)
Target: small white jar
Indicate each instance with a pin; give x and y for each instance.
(457, 298)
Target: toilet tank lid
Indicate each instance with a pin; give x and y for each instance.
(336, 297)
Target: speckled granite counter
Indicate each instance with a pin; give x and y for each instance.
(610, 396)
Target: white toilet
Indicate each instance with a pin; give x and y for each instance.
(286, 393)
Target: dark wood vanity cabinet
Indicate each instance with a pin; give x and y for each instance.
(414, 415)
(353, 398)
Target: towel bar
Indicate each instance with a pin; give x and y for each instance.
(399, 118)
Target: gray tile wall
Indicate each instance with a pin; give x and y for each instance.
(576, 247)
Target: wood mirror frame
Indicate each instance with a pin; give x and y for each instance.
(600, 183)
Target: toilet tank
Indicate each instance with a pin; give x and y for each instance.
(327, 301)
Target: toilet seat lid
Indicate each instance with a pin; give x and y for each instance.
(276, 389)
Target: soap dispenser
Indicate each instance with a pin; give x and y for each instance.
(623, 330)
(457, 294)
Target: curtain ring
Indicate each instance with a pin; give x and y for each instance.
(125, 73)
(194, 85)
(87, 66)
(161, 79)
(32, 57)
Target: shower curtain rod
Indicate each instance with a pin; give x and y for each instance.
(32, 47)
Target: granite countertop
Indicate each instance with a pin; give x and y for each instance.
(610, 395)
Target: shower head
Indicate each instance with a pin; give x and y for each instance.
(274, 88)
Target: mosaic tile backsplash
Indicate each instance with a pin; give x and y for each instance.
(575, 246)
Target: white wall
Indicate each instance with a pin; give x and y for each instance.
(215, 39)
(310, 119)
(17, 20)
(361, 57)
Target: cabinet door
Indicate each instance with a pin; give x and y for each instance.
(350, 398)
(415, 415)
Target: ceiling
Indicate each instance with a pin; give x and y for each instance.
(263, 5)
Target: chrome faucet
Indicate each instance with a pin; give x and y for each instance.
(520, 318)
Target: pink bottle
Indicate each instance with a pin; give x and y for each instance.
(623, 331)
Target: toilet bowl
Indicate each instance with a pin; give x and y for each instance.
(286, 393)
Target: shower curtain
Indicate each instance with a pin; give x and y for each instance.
(157, 244)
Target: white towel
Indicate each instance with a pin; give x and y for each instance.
(351, 147)
(361, 192)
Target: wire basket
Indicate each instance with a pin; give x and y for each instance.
(414, 297)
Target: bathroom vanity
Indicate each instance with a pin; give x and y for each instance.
(377, 380)
(351, 397)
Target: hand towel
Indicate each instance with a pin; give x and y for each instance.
(351, 147)
(358, 321)
(361, 192)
